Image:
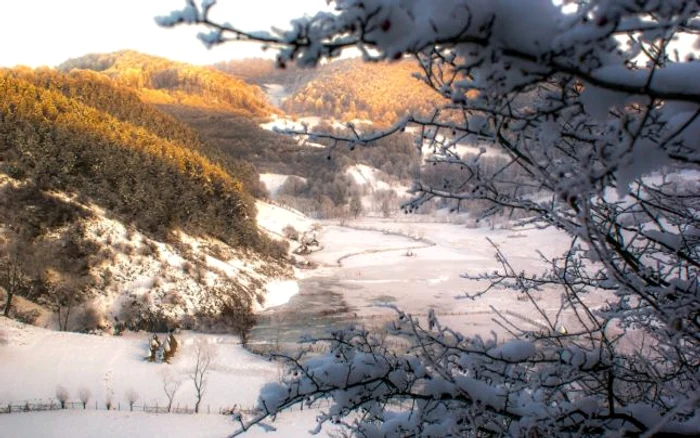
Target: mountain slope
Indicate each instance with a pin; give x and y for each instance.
(345, 89)
(60, 142)
(105, 275)
(161, 81)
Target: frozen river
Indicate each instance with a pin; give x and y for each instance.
(375, 270)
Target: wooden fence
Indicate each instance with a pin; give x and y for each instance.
(11, 408)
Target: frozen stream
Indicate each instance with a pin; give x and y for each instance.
(376, 270)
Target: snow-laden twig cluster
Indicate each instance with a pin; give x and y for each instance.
(596, 108)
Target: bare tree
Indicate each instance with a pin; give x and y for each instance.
(13, 277)
(171, 384)
(62, 395)
(66, 296)
(109, 399)
(84, 395)
(356, 208)
(596, 113)
(132, 397)
(204, 354)
(236, 309)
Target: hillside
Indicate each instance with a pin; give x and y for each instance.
(105, 275)
(86, 168)
(162, 81)
(55, 139)
(346, 89)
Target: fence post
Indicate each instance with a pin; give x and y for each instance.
(119, 406)
(208, 410)
(95, 404)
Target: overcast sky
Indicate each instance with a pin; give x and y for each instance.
(47, 32)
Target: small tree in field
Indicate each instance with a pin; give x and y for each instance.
(84, 395)
(356, 208)
(171, 384)
(132, 396)
(204, 354)
(62, 395)
(596, 111)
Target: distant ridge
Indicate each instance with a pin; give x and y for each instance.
(162, 81)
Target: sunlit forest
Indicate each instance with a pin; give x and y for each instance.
(79, 133)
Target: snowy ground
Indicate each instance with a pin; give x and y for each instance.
(114, 424)
(36, 360)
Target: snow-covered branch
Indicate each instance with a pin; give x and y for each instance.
(584, 116)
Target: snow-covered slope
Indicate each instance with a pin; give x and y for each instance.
(274, 218)
(273, 182)
(364, 175)
(138, 279)
(174, 278)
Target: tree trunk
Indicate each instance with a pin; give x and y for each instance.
(8, 301)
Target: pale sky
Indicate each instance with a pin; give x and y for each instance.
(48, 32)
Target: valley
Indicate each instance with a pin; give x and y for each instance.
(374, 271)
(405, 218)
(143, 196)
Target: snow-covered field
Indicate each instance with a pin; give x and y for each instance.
(112, 424)
(36, 360)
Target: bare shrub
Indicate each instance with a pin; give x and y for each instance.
(290, 233)
(90, 318)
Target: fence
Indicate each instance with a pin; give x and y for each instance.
(40, 406)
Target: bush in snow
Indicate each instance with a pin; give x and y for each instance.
(600, 114)
(290, 233)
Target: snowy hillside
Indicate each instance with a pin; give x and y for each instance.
(364, 175)
(273, 182)
(274, 218)
(139, 281)
(174, 278)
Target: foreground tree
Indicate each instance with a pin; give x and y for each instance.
(598, 114)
